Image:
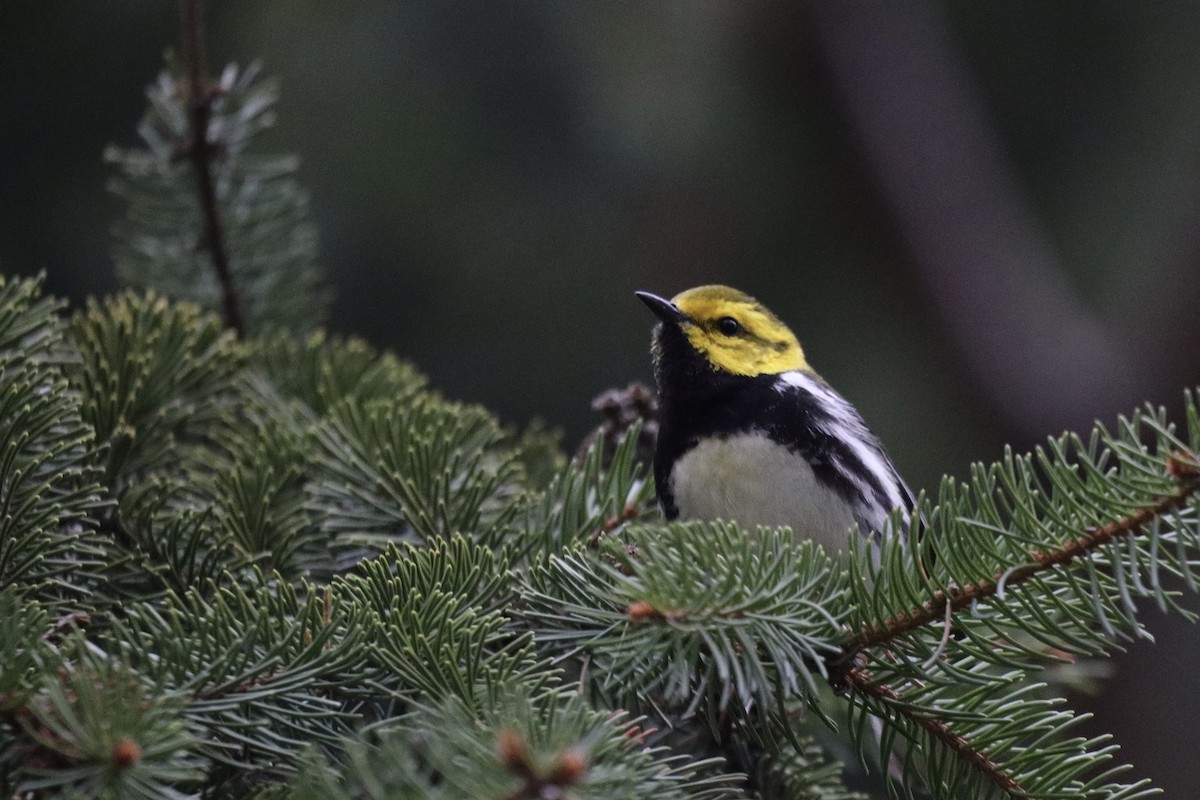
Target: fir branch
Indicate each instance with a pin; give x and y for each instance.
(321, 371)
(528, 744)
(49, 494)
(258, 665)
(25, 649)
(413, 468)
(202, 153)
(800, 769)
(860, 680)
(196, 197)
(691, 613)
(604, 490)
(151, 375)
(940, 729)
(1182, 467)
(98, 729)
(938, 711)
(437, 630)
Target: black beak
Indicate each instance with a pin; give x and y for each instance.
(663, 309)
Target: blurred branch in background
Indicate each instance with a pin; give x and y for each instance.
(209, 217)
(1043, 357)
(200, 151)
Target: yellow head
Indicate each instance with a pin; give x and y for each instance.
(731, 330)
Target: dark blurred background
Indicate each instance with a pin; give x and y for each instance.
(981, 219)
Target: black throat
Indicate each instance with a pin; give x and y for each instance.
(696, 400)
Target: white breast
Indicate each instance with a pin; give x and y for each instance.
(752, 480)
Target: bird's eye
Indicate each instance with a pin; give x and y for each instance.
(729, 326)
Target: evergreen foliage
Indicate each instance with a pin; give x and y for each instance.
(98, 730)
(552, 743)
(151, 375)
(283, 567)
(743, 626)
(49, 490)
(162, 242)
(414, 471)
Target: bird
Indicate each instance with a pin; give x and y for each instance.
(750, 433)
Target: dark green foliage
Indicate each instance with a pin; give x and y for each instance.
(551, 741)
(321, 371)
(24, 652)
(586, 502)
(253, 480)
(439, 627)
(256, 665)
(259, 499)
(152, 375)
(218, 460)
(271, 243)
(802, 771)
(1047, 500)
(98, 729)
(49, 495)
(986, 533)
(172, 546)
(288, 554)
(540, 454)
(415, 470)
(1005, 715)
(694, 612)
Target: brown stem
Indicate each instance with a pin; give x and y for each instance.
(629, 513)
(200, 97)
(960, 597)
(862, 682)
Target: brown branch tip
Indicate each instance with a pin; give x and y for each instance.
(568, 769)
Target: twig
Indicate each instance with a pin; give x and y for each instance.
(862, 682)
(200, 97)
(958, 598)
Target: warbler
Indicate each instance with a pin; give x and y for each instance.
(748, 431)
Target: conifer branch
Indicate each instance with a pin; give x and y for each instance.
(202, 153)
(1183, 468)
(861, 681)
